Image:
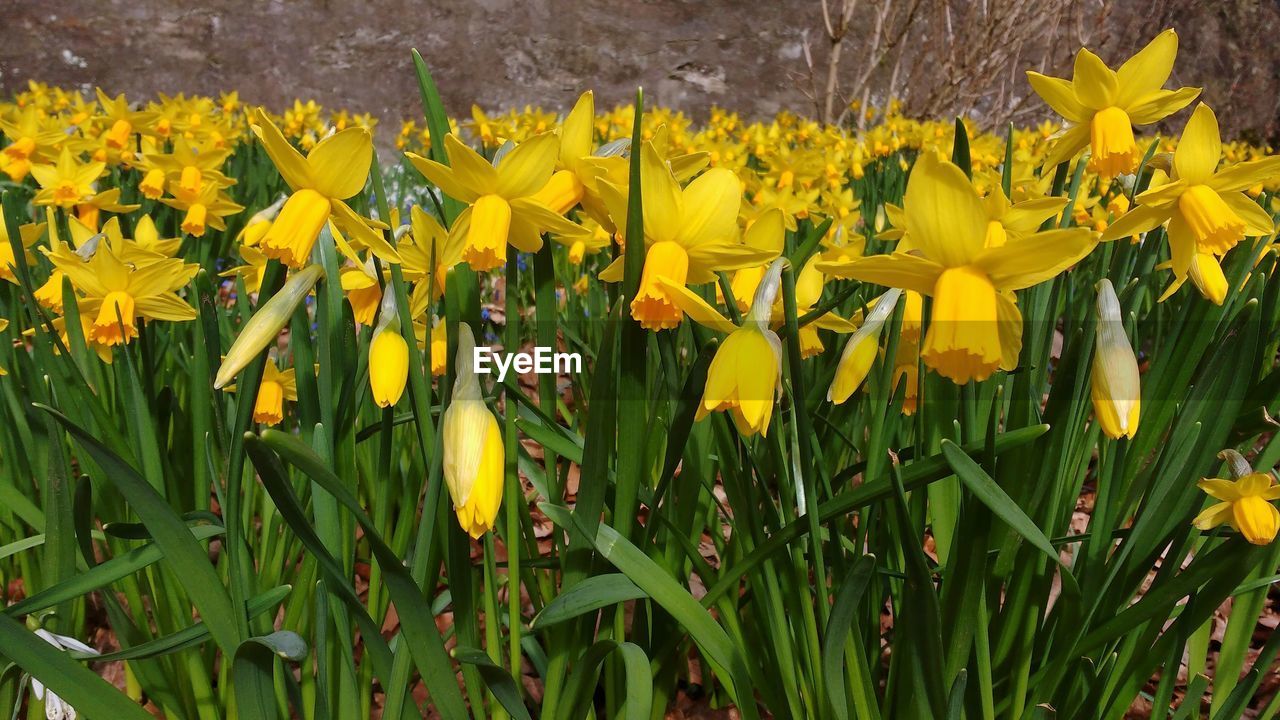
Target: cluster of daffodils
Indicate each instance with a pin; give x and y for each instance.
(132, 201)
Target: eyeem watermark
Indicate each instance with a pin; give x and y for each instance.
(541, 361)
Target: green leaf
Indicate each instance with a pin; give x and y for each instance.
(183, 555)
(101, 575)
(593, 593)
(998, 501)
(71, 680)
(658, 585)
(843, 611)
(496, 679)
(639, 698)
(253, 672)
(417, 621)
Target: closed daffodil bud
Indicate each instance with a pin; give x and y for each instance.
(1244, 501)
(266, 324)
(473, 451)
(860, 352)
(388, 356)
(1115, 387)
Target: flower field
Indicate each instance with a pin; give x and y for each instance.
(612, 413)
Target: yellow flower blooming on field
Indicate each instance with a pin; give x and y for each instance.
(976, 327)
(473, 450)
(690, 233)
(118, 294)
(1244, 503)
(504, 205)
(29, 234)
(276, 387)
(1206, 209)
(745, 373)
(335, 170)
(31, 139)
(1103, 104)
(67, 183)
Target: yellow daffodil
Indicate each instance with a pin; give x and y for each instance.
(276, 387)
(67, 183)
(118, 294)
(976, 326)
(1206, 211)
(31, 140)
(690, 233)
(473, 450)
(1103, 104)
(745, 373)
(333, 171)
(504, 205)
(28, 235)
(1244, 503)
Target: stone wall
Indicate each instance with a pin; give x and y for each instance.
(759, 56)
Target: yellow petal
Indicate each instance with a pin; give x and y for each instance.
(340, 163)
(469, 168)
(699, 310)
(578, 130)
(1213, 516)
(1245, 174)
(1032, 260)
(443, 177)
(294, 168)
(1095, 83)
(361, 232)
(524, 170)
(1059, 95)
(1200, 147)
(768, 232)
(1009, 318)
(1159, 104)
(1142, 218)
(1258, 222)
(945, 217)
(1148, 69)
(660, 197)
(899, 270)
(709, 208)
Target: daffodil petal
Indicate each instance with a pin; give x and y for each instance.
(1031, 260)
(945, 218)
(899, 270)
(1148, 69)
(340, 163)
(294, 168)
(524, 170)
(1059, 95)
(469, 168)
(699, 310)
(1200, 147)
(1095, 83)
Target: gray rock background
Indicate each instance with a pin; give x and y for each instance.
(943, 57)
